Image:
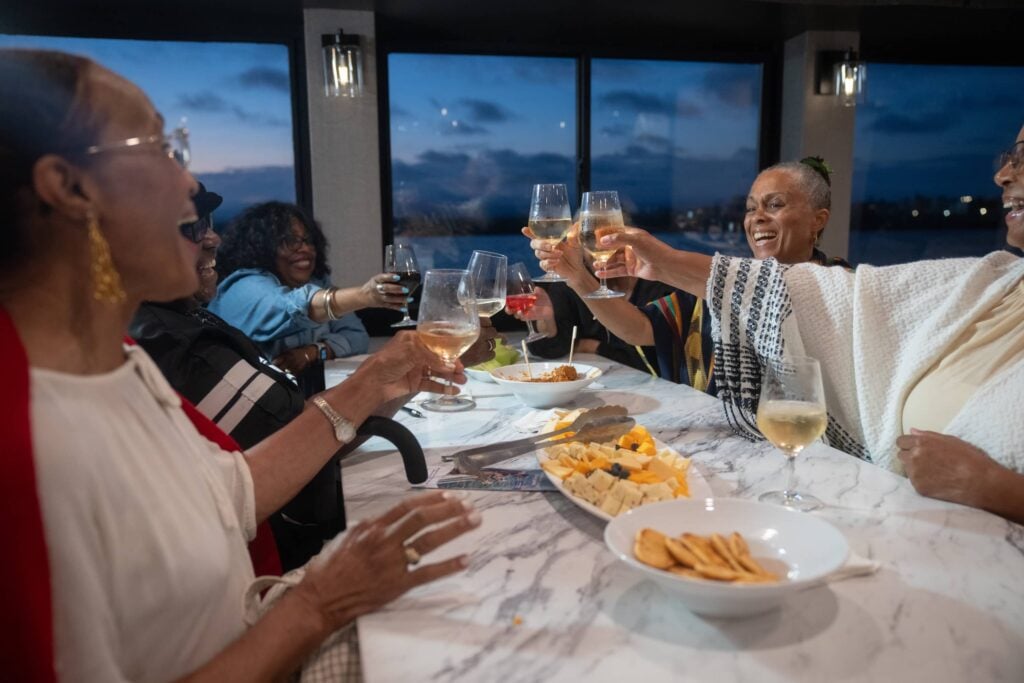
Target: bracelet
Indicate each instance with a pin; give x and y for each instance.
(328, 298)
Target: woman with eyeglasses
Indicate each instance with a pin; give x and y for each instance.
(274, 287)
(127, 512)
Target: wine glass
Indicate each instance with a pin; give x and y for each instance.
(521, 297)
(600, 216)
(400, 260)
(448, 325)
(488, 271)
(791, 414)
(550, 219)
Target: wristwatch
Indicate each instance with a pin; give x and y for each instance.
(321, 350)
(344, 430)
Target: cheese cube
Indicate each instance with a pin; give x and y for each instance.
(611, 505)
(601, 480)
(632, 495)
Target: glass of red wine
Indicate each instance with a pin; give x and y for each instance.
(520, 296)
(400, 260)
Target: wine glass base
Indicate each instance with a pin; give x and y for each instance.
(603, 294)
(549, 277)
(536, 336)
(804, 502)
(448, 404)
(405, 323)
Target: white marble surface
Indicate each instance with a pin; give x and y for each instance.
(947, 604)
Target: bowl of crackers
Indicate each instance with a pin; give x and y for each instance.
(726, 557)
(546, 385)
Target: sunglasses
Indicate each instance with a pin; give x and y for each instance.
(197, 229)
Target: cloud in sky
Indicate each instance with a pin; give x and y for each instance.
(891, 122)
(649, 103)
(484, 111)
(211, 102)
(457, 127)
(266, 77)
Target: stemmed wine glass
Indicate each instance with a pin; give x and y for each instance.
(488, 271)
(521, 297)
(400, 260)
(550, 218)
(448, 325)
(791, 414)
(600, 216)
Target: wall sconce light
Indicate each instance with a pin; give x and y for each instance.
(841, 74)
(343, 65)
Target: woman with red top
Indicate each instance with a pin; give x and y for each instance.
(127, 527)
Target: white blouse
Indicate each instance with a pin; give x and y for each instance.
(146, 524)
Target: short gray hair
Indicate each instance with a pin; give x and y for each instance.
(811, 182)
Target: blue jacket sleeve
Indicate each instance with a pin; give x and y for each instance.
(347, 336)
(257, 303)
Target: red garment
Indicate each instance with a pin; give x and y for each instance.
(26, 619)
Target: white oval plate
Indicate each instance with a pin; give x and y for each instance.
(699, 487)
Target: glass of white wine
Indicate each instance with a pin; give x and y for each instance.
(448, 325)
(600, 216)
(791, 414)
(550, 218)
(489, 272)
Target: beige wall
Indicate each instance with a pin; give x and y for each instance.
(817, 125)
(344, 152)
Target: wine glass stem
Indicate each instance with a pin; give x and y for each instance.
(790, 491)
(529, 328)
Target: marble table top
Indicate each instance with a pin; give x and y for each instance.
(544, 600)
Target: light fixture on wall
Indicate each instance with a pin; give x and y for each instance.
(343, 64)
(841, 74)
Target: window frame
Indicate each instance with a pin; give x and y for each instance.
(770, 114)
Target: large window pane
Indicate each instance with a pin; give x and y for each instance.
(924, 148)
(678, 140)
(470, 135)
(236, 98)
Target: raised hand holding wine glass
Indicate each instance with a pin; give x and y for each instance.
(550, 218)
(448, 325)
(600, 216)
(521, 297)
(400, 260)
(489, 272)
(791, 414)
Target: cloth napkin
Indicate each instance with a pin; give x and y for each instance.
(856, 565)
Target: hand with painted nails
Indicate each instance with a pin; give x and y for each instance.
(383, 291)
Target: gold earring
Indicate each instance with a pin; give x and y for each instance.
(106, 281)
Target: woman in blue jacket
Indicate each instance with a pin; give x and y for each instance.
(275, 287)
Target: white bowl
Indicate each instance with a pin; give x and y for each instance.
(544, 394)
(779, 538)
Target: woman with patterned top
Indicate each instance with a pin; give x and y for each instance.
(787, 210)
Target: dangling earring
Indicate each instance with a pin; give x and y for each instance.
(106, 281)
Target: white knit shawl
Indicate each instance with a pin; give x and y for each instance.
(876, 331)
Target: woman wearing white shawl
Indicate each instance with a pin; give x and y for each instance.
(878, 332)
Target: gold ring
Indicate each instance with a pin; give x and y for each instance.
(380, 288)
(491, 345)
(412, 557)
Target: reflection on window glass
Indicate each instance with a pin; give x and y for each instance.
(924, 148)
(235, 97)
(678, 140)
(470, 136)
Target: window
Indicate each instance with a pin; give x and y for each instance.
(236, 98)
(678, 140)
(924, 147)
(470, 135)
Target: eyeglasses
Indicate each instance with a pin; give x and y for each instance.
(196, 230)
(1013, 156)
(174, 145)
(293, 243)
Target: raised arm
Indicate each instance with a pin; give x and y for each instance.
(644, 256)
(622, 318)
